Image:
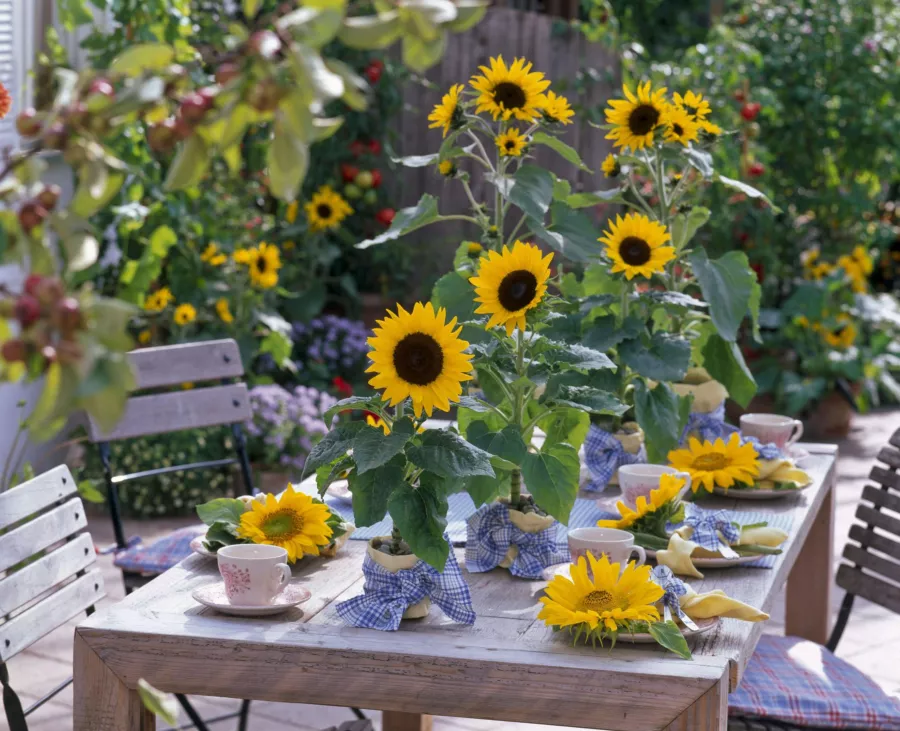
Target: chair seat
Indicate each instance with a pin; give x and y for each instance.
(162, 554)
(799, 682)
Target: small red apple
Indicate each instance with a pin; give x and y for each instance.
(756, 169)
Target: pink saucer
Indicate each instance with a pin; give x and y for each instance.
(214, 596)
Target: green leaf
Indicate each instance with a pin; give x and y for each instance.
(473, 404)
(456, 295)
(356, 88)
(669, 636)
(565, 425)
(416, 161)
(725, 362)
(685, 226)
(447, 454)
(73, 13)
(143, 57)
(372, 490)
(251, 8)
(221, 534)
(747, 190)
(104, 398)
(164, 705)
(487, 489)
(420, 514)
(374, 448)
(560, 148)
(189, 166)
(666, 358)
(287, 160)
(571, 233)
(507, 443)
(605, 332)
(552, 476)
(532, 191)
(467, 417)
(336, 443)
(406, 221)
(87, 491)
(328, 473)
(111, 317)
(727, 285)
(598, 197)
(581, 358)
(367, 403)
(227, 510)
(420, 54)
(662, 414)
(371, 32)
(700, 160)
(588, 398)
(97, 186)
(468, 14)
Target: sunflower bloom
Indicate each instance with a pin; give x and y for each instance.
(679, 127)
(378, 422)
(419, 355)
(448, 114)
(447, 168)
(144, 337)
(511, 283)
(223, 310)
(635, 246)
(601, 596)
(557, 108)
(843, 335)
(158, 301)
(511, 143)
(212, 256)
(510, 92)
(185, 314)
(293, 521)
(717, 464)
(669, 489)
(243, 256)
(264, 266)
(5, 101)
(290, 213)
(326, 209)
(636, 118)
(694, 104)
(611, 167)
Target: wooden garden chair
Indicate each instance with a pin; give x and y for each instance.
(47, 569)
(795, 684)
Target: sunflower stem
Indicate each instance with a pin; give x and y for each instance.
(396, 541)
(640, 199)
(515, 488)
(512, 236)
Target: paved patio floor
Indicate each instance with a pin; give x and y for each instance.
(870, 641)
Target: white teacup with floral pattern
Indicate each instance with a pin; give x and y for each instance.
(617, 545)
(782, 431)
(641, 479)
(254, 574)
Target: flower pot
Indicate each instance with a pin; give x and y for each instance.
(527, 523)
(761, 403)
(830, 419)
(395, 564)
(267, 480)
(707, 392)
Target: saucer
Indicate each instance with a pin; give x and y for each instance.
(198, 547)
(340, 490)
(213, 596)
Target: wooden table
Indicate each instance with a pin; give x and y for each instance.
(506, 667)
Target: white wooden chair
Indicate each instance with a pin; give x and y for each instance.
(47, 568)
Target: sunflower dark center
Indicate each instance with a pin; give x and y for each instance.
(634, 251)
(510, 145)
(691, 110)
(598, 600)
(261, 264)
(710, 462)
(418, 359)
(284, 523)
(324, 210)
(517, 290)
(678, 129)
(643, 119)
(509, 95)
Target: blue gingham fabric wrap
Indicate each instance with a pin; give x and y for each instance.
(709, 426)
(387, 595)
(765, 451)
(490, 535)
(707, 525)
(603, 455)
(672, 585)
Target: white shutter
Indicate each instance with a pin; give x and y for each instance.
(16, 59)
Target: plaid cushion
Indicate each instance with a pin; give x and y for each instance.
(800, 682)
(160, 555)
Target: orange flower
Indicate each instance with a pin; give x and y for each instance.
(5, 101)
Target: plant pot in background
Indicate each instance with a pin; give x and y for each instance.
(830, 419)
(395, 564)
(761, 403)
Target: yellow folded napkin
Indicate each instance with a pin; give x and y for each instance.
(762, 536)
(678, 556)
(772, 471)
(682, 549)
(718, 604)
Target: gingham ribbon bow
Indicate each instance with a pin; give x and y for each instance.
(765, 451)
(671, 584)
(709, 426)
(489, 535)
(707, 525)
(604, 454)
(387, 595)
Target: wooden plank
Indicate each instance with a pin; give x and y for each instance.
(895, 438)
(38, 534)
(885, 477)
(33, 496)
(101, 701)
(394, 721)
(890, 456)
(875, 541)
(707, 713)
(178, 410)
(27, 584)
(869, 587)
(872, 563)
(878, 519)
(28, 627)
(172, 365)
(882, 498)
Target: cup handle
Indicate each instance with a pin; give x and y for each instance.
(642, 555)
(282, 577)
(687, 481)
(797, 433)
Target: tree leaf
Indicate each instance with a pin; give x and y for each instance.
(287, 160)
(551, 476)
(420, 514)
(97, 186)
(335, 443)
(560, 148)
(189, 166)
(447, 454)
(371, 32)
(727, 285)
(164, 705)
(251, 8)
(725, 362)
(669, 636)
(372, 490)
(87, 491)
(143, 57)
(406, 221)
(666, 358)
(662, 414)
(373, 448)
(420, 54)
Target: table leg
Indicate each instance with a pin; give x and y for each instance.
(397, 721)
(808, 609)
(102, 701)
(708, 713)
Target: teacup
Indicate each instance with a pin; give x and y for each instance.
(640, 479)
(782, 431)
(254, 574)
(617, 545)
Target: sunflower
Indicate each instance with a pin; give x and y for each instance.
(709, 127)
(694, 104)
(717, 464)
(474, 250)
(212, 256)
(516, 91)
(144, 337)
(185, 314)
(158, 301)
(293, 521)
(326, 210)
(635, 118)
(557, 109)
(509, 284)
(5, 101)
(243, 256)
(224, 311)
(419, 354)
(611, 167)
(843, 335)
(511, 143)
(634, 244)
(668, 490)
(857, 266)
(290, 213)
(601, 596)
(679, 126)
(377, 421)
(263, 264)
(447, 168)
(448, 114)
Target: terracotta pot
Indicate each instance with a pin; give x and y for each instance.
(270, 480)
(830, 419)
(395, 564)
(527, 523)
(762, 403)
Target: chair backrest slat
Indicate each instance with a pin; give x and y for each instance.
(176, 411)
(27, 584)
(870, 539)
(35, 622)
(35, 495)
(871, 562)
(882, 498)
(885, 477)
(869, 587)
(172, 365)
(887, 523)
(890, 456)
(45, 530)
(895, 439)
